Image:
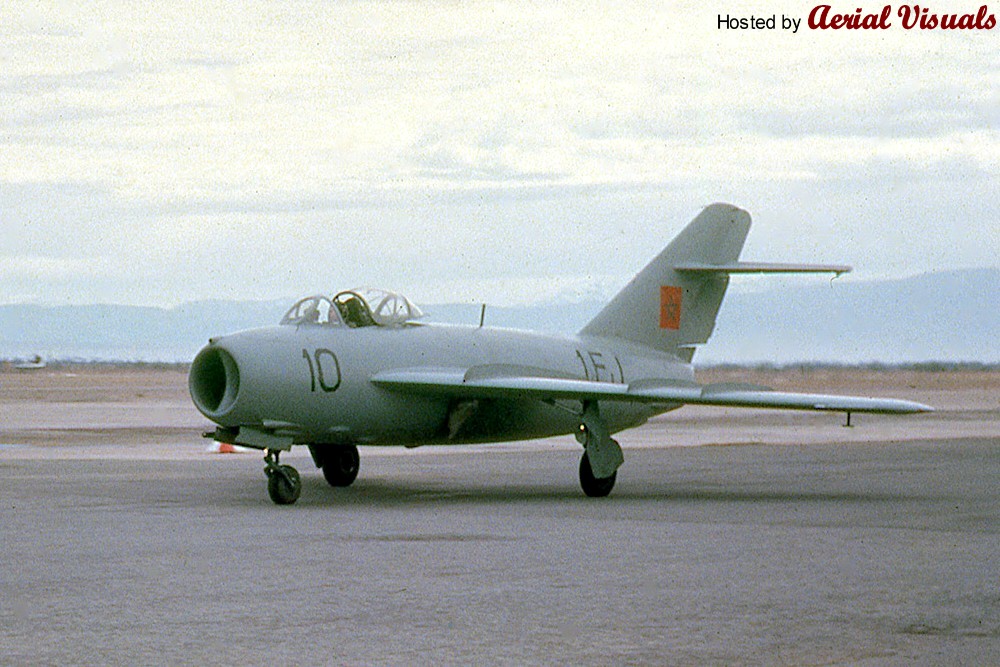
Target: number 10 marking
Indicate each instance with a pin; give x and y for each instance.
(317, 373)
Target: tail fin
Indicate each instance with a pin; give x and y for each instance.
(672, 303)
(669, 305)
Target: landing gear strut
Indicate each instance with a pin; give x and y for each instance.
(601, 453)
(283, 483)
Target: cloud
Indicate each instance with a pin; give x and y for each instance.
(27, 268)
(376, 94)
(412, 144)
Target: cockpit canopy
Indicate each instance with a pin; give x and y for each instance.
(362, 307)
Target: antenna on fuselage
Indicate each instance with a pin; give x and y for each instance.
(482, 316)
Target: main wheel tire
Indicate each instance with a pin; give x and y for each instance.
(341, 464)
(595, 487)
(284, 485)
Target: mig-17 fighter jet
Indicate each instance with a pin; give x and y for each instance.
(359, 368)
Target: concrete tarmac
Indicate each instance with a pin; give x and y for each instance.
(831, 553)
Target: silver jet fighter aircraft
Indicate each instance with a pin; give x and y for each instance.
(358, 369)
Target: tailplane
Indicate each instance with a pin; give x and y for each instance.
(671, 305)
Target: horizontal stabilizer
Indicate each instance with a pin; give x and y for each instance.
(762, 267)
(453, 383)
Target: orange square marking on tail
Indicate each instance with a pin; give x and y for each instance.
(670, 307)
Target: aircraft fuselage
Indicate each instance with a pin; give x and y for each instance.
(316, 380)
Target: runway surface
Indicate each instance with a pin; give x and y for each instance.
(830, 553)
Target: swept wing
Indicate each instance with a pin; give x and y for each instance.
(474, 383)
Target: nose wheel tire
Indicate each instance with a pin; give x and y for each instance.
(595, 487)
(284, 485)
(283, 482)
(341, 465)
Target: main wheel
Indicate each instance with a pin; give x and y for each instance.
(341, 464)
(284, 485)
(592, 486)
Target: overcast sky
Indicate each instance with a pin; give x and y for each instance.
(154, 153)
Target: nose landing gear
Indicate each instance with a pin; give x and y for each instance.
(283, 482)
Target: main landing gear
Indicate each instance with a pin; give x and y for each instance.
(595, 487)
(283, 482)
(601, 453)
(340, 463)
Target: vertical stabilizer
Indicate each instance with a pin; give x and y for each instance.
(673, 310)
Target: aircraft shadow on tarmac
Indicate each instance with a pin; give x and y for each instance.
(380, 492)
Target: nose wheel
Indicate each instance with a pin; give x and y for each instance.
(283, 482)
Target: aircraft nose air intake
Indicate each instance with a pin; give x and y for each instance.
(214, 381)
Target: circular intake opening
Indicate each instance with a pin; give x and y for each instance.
(214, 381)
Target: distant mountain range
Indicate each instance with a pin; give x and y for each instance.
(945, 316)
